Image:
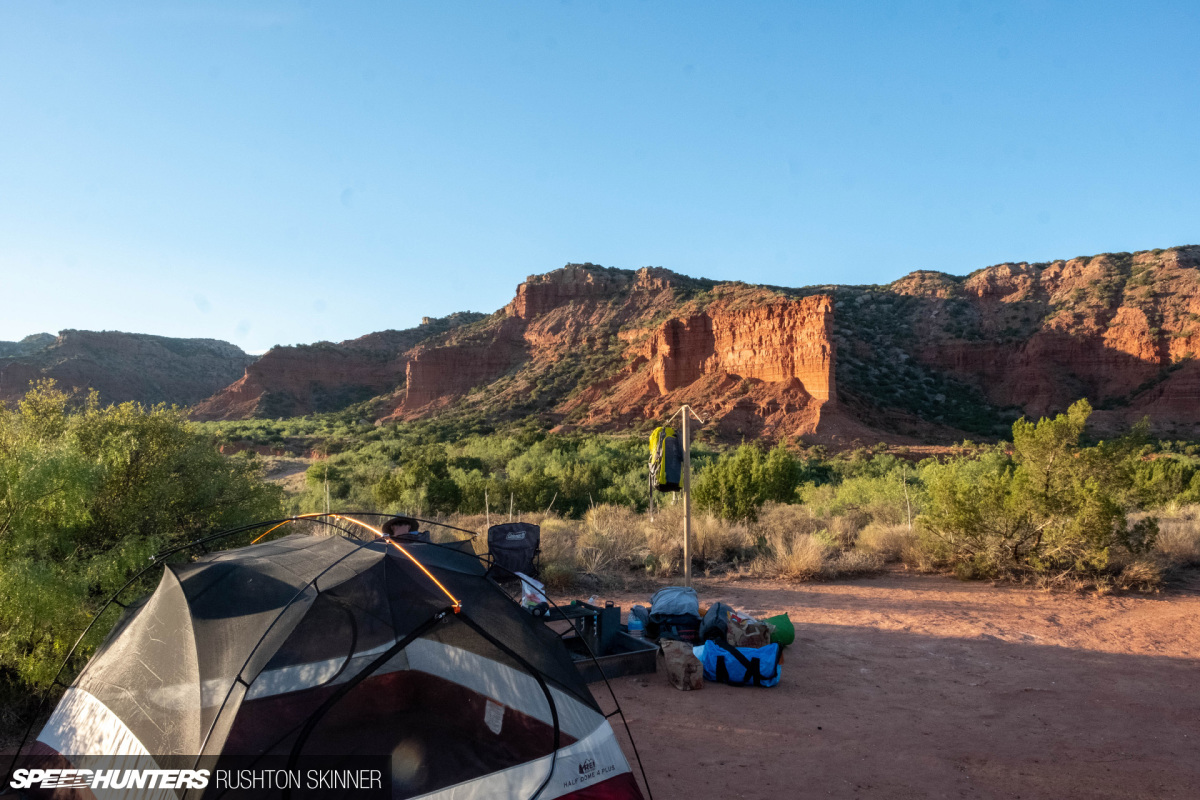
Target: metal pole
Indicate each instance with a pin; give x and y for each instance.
(687, 499)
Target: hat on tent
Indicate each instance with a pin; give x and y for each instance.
(326, 645)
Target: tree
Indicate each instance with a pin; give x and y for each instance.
(1053, 505)
(87, 495)
(735, 485)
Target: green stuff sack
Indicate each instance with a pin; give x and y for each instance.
(782, 630)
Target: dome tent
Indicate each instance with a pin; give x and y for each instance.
(324, 644)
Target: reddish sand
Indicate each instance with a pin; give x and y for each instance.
(910, 686)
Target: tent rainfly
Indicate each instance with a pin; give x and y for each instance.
(318, 644)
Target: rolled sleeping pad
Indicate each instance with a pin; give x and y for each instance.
(783, 631)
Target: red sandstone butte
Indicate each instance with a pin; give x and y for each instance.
(598, 348)
(302, 379)
(1122, 330)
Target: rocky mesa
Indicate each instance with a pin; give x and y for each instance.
(597, 348)
(304, 379)
(121, 366)
(930, 357)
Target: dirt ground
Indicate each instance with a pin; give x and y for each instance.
(909, 686)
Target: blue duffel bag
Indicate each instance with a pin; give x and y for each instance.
(741, 666)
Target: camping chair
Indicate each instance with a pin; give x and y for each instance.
(515, 547)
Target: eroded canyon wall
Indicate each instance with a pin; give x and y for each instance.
(773, 342)
(928, 357)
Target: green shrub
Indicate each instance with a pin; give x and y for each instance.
(736, 484)
(87, 495)
(1053, 506)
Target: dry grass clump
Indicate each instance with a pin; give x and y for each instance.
(1178, 543)
(795, 544)
(775, 519)
(1142, 574)
(799, 556)
(560, 540)
(714, 540)
(798, 542)
(1177, 546)
(610, 538)
(664, 548)
(470, 522)
(852, 562)
(844, 528)
(889, 542)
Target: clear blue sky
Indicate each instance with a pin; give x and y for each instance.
(284, 173)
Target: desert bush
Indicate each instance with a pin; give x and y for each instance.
(735, 485)
(798, 556)
(889, 542)
(1054, 506)
(1178, 542)
(1166, 479)
(87, 495)
(883, 488)
(558, 577)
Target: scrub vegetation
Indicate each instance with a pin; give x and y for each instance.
(87, 495)
(1049, 506)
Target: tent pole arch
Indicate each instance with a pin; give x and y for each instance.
(225, 701)
(611, 692)
(157, 560)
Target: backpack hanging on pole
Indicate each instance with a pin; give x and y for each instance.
(666, 460)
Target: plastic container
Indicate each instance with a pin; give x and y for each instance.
(636, 629)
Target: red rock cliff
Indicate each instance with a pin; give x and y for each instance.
(541, 294)
(292, 381)
(775, 341)
(445, 372)
(931, 355)
(1119, 329)
(752, 362)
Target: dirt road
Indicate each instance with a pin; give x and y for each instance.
(911, 686)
